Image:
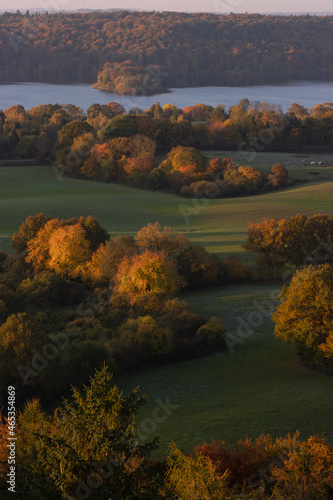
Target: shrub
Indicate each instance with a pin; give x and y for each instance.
(144, 332)
(212, 334)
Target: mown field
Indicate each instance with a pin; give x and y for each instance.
(220, 225)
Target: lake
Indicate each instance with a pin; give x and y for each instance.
(307, 94)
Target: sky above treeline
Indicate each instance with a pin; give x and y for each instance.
(218, 6)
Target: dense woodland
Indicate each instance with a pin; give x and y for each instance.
(72, 300)
(144, 52)
(93, 300)
(159, 148)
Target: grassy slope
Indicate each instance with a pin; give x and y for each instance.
(260, 387)
(220, 225)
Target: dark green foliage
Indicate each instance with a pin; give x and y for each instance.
(90, 446)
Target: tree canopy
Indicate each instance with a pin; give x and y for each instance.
(305, 316)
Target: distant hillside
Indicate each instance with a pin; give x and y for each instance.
(146, 52)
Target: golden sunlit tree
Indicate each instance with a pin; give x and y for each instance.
(69, 251)
(305, 316)
(150, 272)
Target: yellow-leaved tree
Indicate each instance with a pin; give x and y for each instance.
(305, 316)
(69, 251)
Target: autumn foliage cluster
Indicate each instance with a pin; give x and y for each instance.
(122, 48)
(305, 316)
(92, 447)
(301, 248)
(110, 145)
(291, 243)
(71, 291)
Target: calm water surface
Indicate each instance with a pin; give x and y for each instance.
(307, 94)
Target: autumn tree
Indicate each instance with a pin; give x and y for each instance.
(279, 176)
(65, 246)
(194, 476)
(93, 231)
(20, 337)
(318, 241)
(305, 316)
(262, 238)
(181, 157)
(105, 260)
(38, 247)
(298, 241)
(69, 251)
(153, 237)
(198, 112)
(139, 166)
(150, 272)
(28, 230)
(212, 334)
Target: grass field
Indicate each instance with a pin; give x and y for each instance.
(220, 225)
(260, 387)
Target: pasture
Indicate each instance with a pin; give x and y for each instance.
(220, 225)
(260, 387)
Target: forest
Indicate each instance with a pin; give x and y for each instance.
(162, 149)
(146, 52)
(72, 300)
(166, 312)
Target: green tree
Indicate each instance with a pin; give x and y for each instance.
(71, 131)
(90, 447)
(151, 339)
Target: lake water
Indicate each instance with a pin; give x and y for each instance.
(307, 94)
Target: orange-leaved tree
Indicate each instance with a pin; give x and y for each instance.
(150, 272)
(262, 238)
(69, 251)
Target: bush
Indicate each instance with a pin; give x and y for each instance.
(152, 340)
(235, 269)
(212, 334)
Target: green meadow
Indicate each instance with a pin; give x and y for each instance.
(259, 386)
(220, 225)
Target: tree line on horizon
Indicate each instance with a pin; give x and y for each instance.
(146, 52)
